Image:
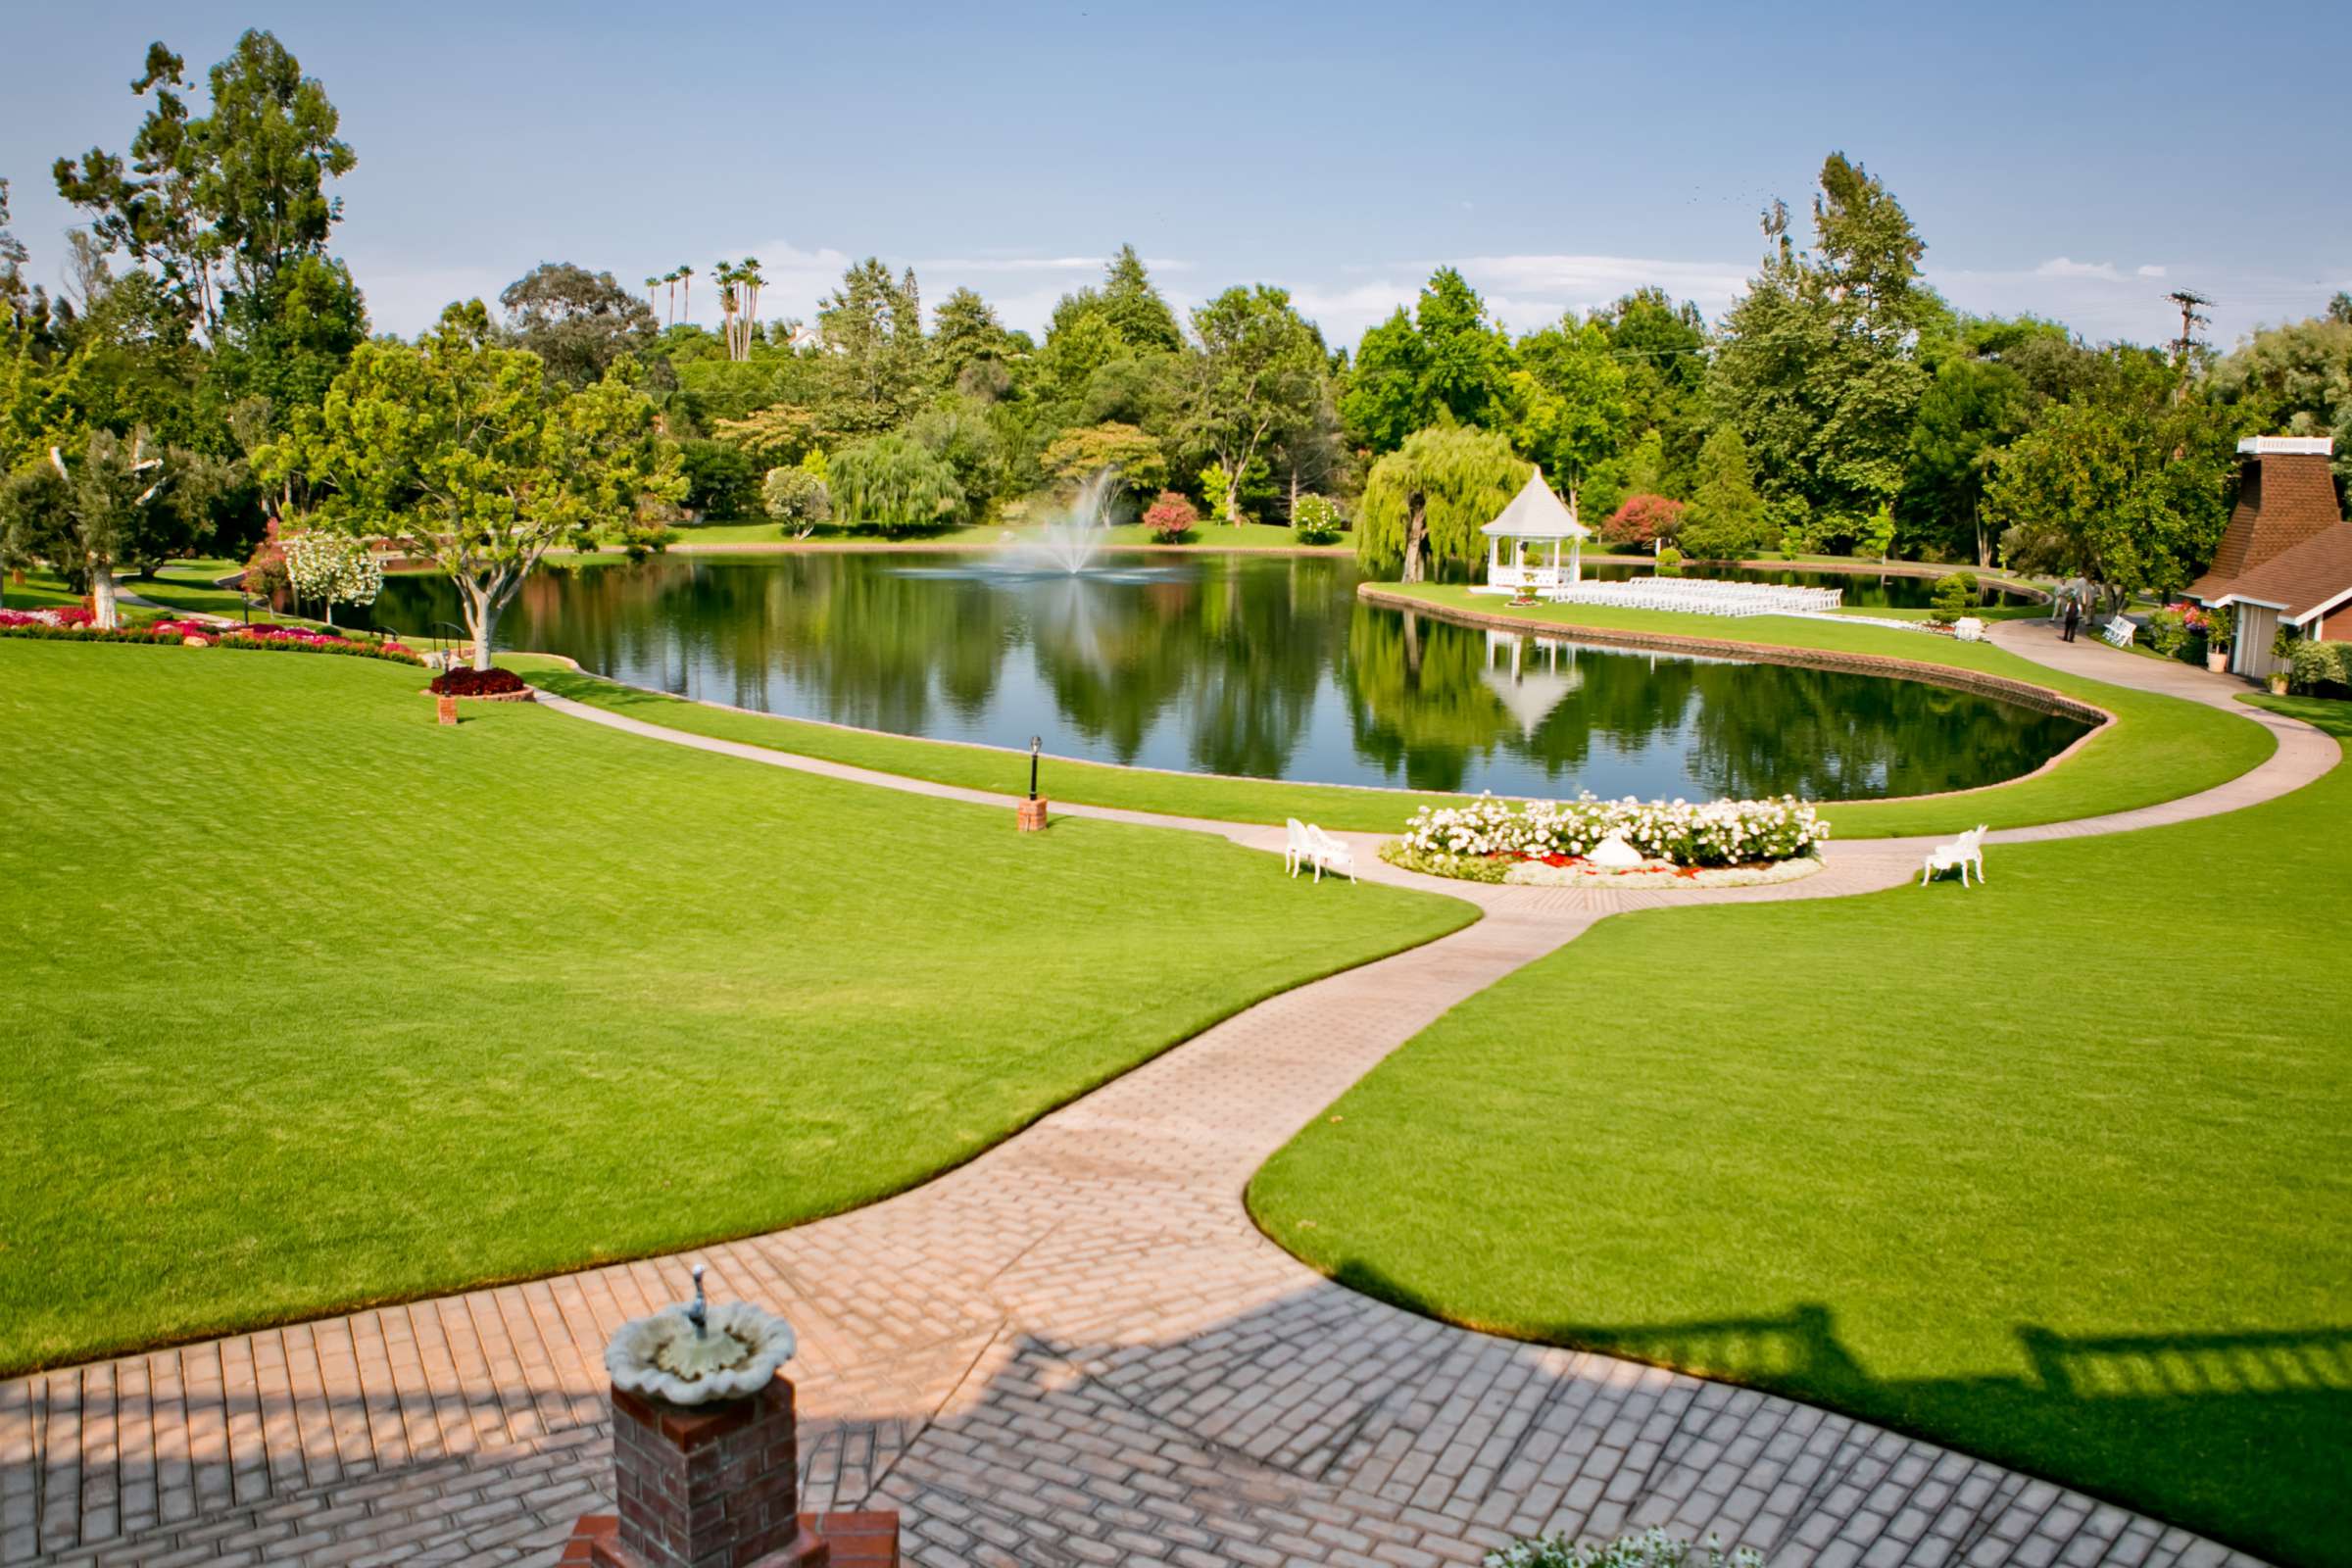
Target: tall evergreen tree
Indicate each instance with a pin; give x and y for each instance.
(1817, 368)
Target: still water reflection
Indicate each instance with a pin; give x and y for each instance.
(1267, 666)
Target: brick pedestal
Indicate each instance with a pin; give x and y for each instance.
(1033, 816)
(707, 1486)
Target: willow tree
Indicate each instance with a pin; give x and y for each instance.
(460, 453)
(1425, 502)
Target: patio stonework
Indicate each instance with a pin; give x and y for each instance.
(1075, 1350)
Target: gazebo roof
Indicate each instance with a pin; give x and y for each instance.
(1535, 513)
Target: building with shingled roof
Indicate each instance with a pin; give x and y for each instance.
(2286, 558)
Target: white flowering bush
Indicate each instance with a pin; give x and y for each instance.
(334, 569)
(1717, 834)
(1651, 1548)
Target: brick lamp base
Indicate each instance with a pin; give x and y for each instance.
(847, 1539)
(1033, 816)
(718, 1486)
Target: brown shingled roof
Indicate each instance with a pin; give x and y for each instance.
(2306, 577)
(2282, 500)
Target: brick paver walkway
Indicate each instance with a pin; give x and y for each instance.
(1075, 1350)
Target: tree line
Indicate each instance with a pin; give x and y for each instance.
(207, 376)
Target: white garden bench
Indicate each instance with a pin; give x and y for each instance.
(1309, 845)
(2119, 633)
(1968, 849)
(1969, 629)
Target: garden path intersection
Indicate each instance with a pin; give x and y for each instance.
(1076, 1349)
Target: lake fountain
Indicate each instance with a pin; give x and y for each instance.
(1071, 540)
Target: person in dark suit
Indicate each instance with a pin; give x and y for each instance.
(2074, 616)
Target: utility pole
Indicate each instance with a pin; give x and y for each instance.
(2187, 343)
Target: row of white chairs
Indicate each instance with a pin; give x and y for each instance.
(1703, 595)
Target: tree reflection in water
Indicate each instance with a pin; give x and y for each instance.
(1260, 666)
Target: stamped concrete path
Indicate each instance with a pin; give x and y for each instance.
(1075, 1350)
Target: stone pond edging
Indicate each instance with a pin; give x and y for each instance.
(2026, 694)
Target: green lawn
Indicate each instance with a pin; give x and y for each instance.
(2054, 1170)
(179, 585)
(2161, 749)
(311, 1003)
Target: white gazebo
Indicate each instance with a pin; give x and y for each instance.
(1535, 516)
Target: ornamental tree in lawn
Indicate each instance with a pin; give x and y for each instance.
(461, 454)
(103, 506)
(1644, 519)
(795, 498)
(1425, 502)
(333, 567)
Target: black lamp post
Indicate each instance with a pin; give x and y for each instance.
(1034, 743)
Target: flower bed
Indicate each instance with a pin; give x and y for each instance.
(495, 683)
(74, 625)
(1723, 844)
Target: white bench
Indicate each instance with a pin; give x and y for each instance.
(1969, 629)
(1305, 844)
(1968, 849)
(2119, 633)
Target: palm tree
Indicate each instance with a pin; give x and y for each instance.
(748, 279)
(686, 304)
(651, 284)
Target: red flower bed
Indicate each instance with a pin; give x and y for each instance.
(480, 683)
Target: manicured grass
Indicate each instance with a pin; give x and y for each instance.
(181, 585)
(2053, 1170)
(311, 1003)
(2162, 746)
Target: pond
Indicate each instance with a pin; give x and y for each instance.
(1267, 666)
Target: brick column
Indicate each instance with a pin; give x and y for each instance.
(708, 1487)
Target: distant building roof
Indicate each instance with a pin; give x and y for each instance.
(1535, 513)
(2299, 583)
(2286, 499)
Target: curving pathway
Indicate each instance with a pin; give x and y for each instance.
(1074, 1349)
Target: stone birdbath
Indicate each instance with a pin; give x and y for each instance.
(692, 1353)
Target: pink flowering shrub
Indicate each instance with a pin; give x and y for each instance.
(1171, 517)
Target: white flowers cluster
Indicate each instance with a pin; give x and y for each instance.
(1721, 833)
(333, 567)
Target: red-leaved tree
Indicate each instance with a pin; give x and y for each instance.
(1171, 517)
(1643, 520)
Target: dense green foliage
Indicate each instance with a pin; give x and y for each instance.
(437, 1029)
(1840, 405)
(1425, 502)
(1939, 1183)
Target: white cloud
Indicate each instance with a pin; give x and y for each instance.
(407, 301)
(1525, 292)
(1554, 283)
(2068, 266)
(2151, 271)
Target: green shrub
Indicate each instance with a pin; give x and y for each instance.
(2167, 632)
(1316, 519)
(2321, 669)
(1670, 561)
(795, 498)
(1955, 596)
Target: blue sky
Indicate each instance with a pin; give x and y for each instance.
(2078, 161)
